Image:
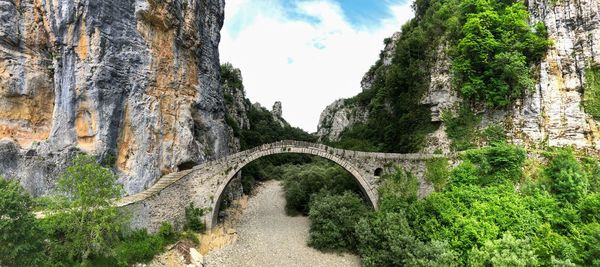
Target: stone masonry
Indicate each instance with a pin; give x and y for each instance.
(204, 184)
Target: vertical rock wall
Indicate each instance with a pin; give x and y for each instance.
(133, 81)
(554, 112)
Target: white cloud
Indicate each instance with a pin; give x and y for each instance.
(303, 63)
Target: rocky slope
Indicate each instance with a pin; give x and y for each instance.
(340, 114)
(552, 114)
(133, 81)
(337, 117)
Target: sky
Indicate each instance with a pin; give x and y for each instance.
(306, 53)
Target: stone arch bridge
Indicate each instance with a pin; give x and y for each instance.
(204, 184)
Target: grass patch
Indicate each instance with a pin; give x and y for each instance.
(462, 128)
(437, 171)
(591, 94)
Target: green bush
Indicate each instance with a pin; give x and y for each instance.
(591, 93)
(507, 251)
(193, 218)
(462, 128)
(552, 247)
(167, 233)
(333, 219)
(437, 172)
(138, 247)
(397, 191)
(495, 134)
(496, 164)
(491, 58)
(569, 182)
(468, 216)
(386, 239)
(20, 236)
(304, 181)
(588, 242)
(592, 171)
(589, 208)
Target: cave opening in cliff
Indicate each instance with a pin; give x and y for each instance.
(187, 165)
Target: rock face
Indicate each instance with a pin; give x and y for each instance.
(337, 117)
(277, 112)
(385, 59)
(552, 113)
(237, 108)
(133, 81)
(277, 109)
(341, 114)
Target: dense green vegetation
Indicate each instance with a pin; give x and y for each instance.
(489, 212)
(81, 221)
(461, 128)
(20, 235)
(81, 227)
(303, 181)
(492, 49)
(591, 94)
(333, 217)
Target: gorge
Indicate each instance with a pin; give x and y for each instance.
(474, 141)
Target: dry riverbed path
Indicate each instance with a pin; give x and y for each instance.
(266, 236)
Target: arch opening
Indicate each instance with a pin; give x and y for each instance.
(367, 192)
(378, 172)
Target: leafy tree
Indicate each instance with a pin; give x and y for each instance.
(231, 76)
(333, 219)
(20, 236)
(498, 163)
(462, 128)
(82, 222)
(386, 239)
(397, 191)
(468, 216)
(497, 44)
(589, 208)
(303, 182)
(507, 251)
(592, 170)
(569, 183)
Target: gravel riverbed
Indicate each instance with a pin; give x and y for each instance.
(268, 237)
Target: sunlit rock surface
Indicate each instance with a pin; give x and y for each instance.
(133, 81)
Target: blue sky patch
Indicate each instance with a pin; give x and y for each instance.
(360, 13)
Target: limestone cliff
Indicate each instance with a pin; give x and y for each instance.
(337, 117)
(135, 82)
(342, 114)
(551, 114)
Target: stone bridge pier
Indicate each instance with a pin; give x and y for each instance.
(204, 184)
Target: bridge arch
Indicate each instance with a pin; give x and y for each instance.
(203, 185)
(261, 152)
